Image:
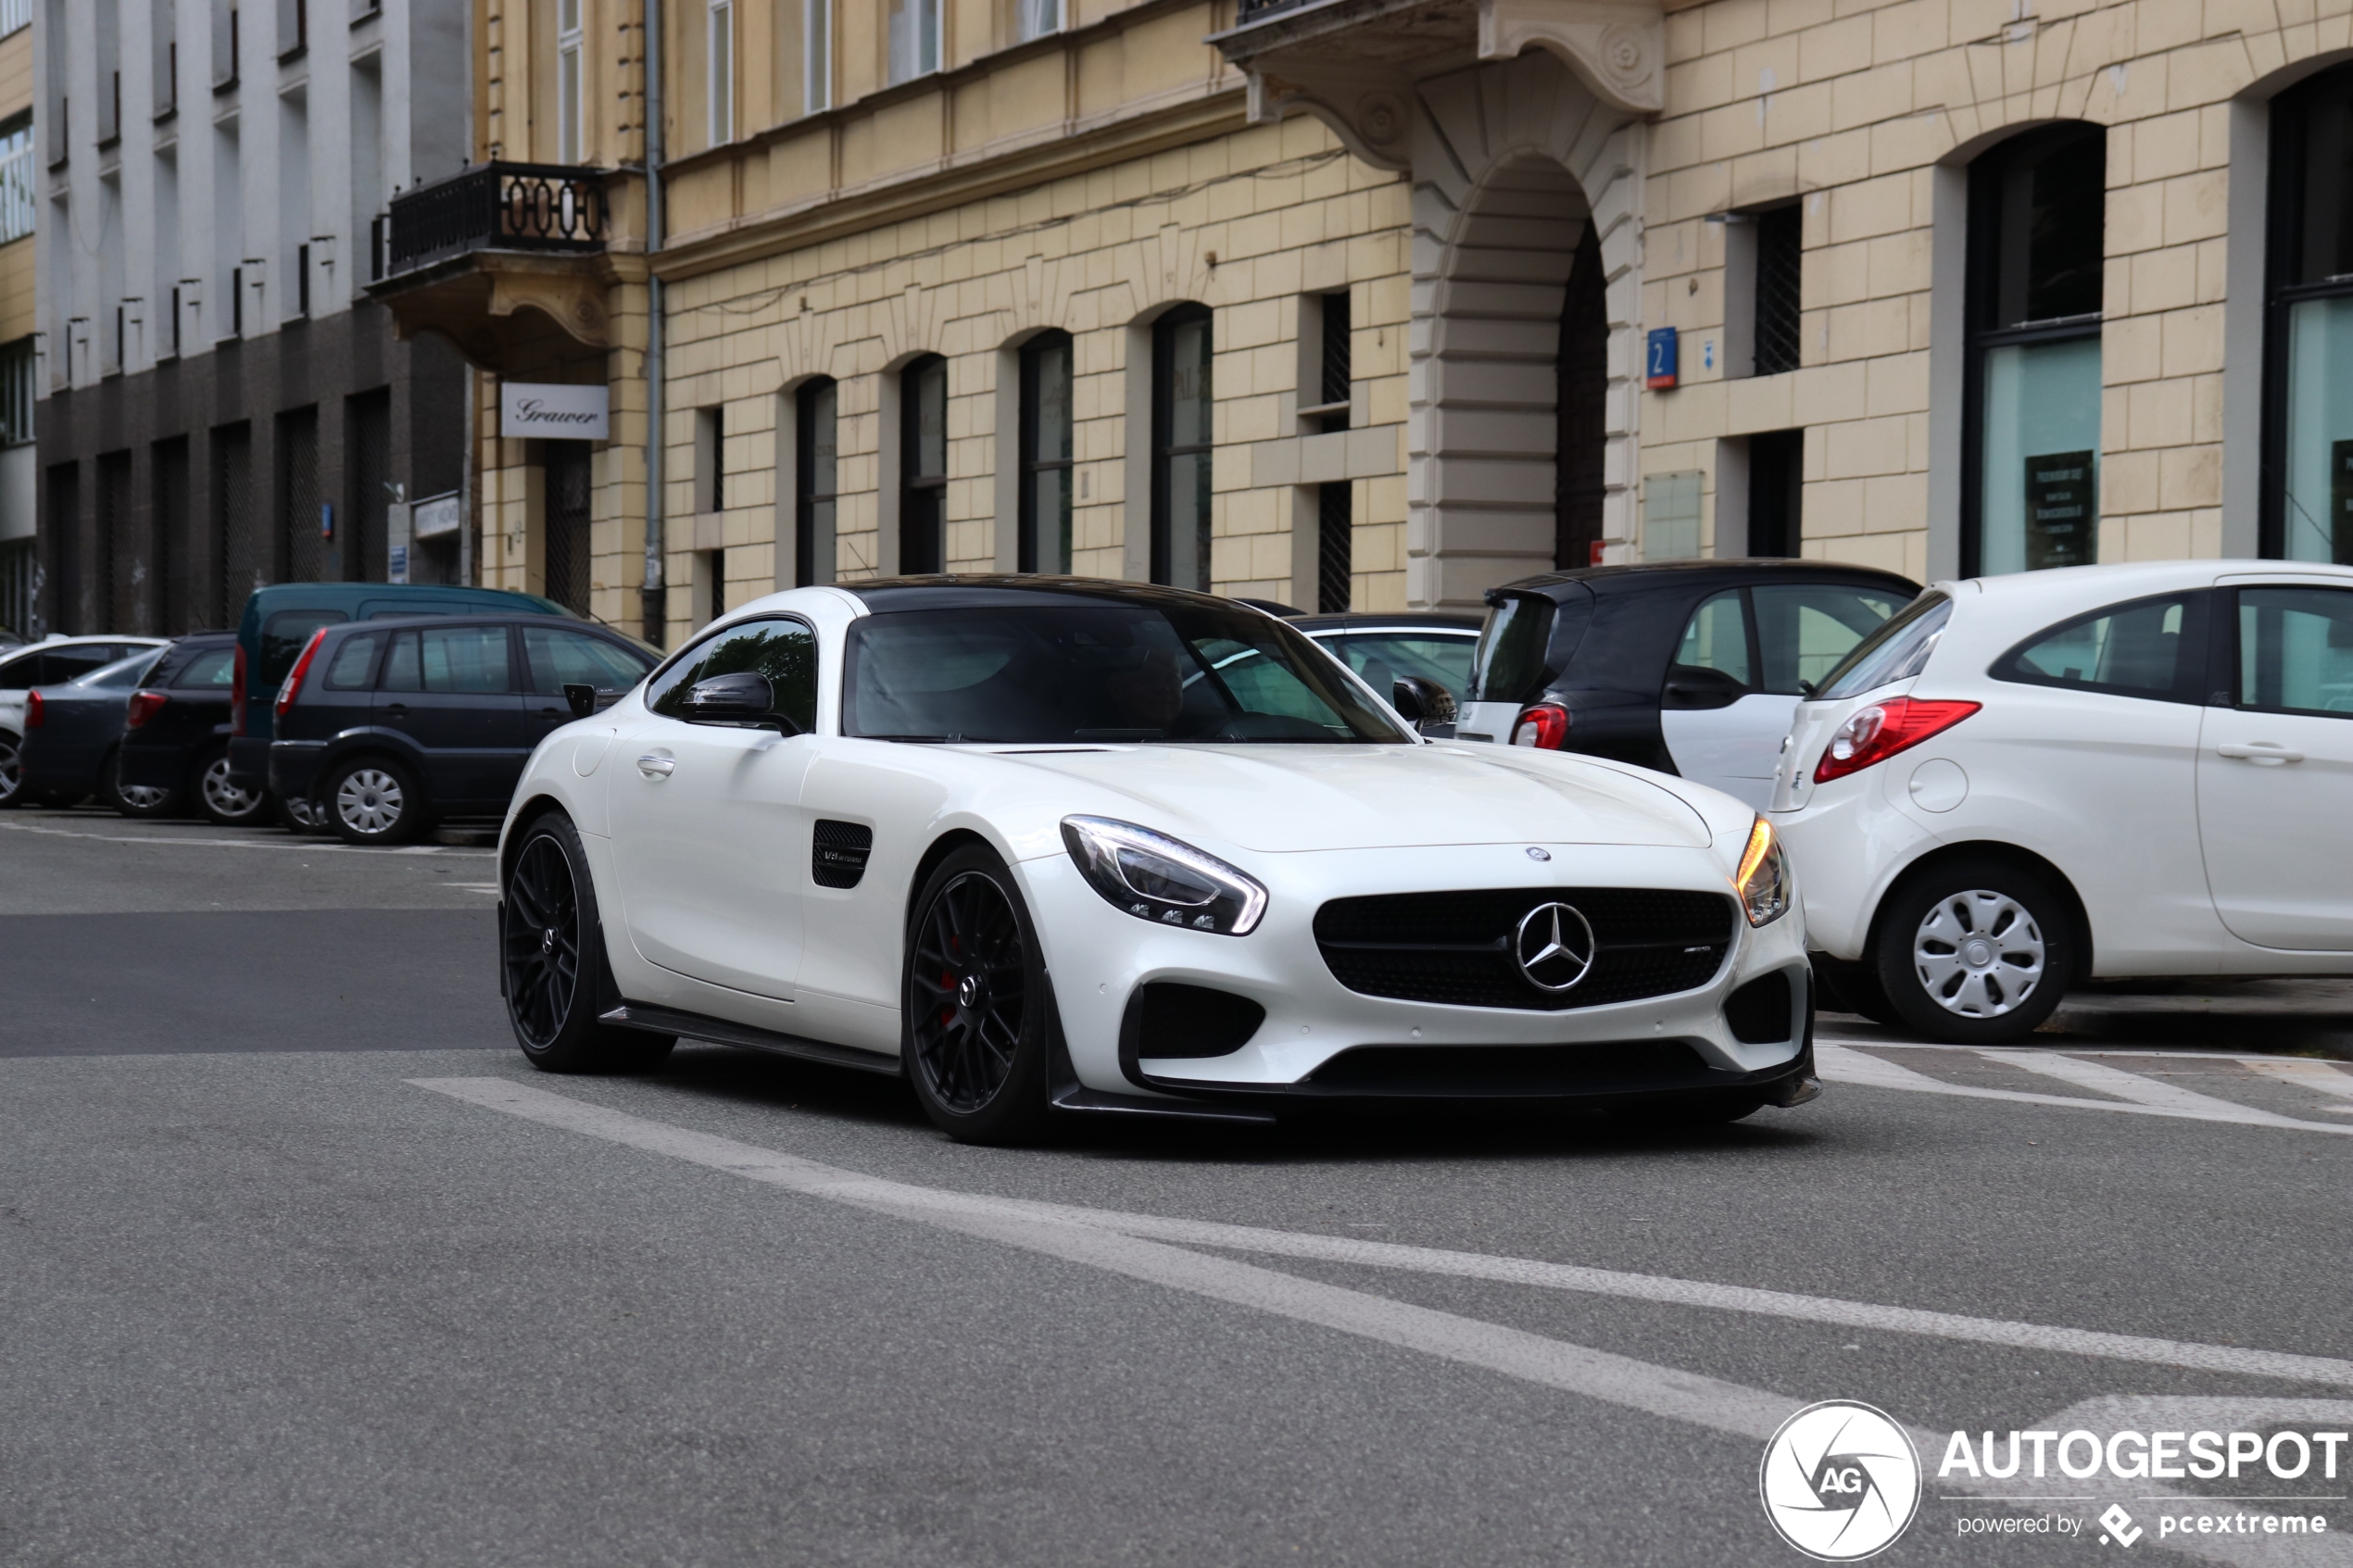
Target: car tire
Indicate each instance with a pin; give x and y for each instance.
(12, 790)
(139, 802)
(222, 803)
(553, 969)
(1853, 987)
(980, 1020)
(1975, 952)
(371, 800)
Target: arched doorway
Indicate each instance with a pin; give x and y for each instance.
(1582, 410)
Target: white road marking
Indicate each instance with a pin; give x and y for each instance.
(1115, 1242)
(1838, 1064)
(2134, 1087)
(309, 845)
(2144, 1053)
(2305, 1074)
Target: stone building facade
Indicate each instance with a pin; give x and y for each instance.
(1378, 304)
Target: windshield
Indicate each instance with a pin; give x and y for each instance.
(122, 672)
(1897, 651)
(1091, 671)
(1509, 665)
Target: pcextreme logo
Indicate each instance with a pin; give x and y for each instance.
(1840, 1481)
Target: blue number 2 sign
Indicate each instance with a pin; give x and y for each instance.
(1659, 359)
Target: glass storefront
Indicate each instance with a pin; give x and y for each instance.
(2309, 510)
(2039, 506)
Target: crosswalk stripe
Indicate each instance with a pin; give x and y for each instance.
(2132, 1087)
(2306, 1075)
(1841, 1064)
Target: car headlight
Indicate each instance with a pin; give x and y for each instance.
(1162, 879)
(1763, 879)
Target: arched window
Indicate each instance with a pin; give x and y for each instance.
(815, 410)
(1181, 405)
(2037, 243)
(2308, 353)
(1046, 454)
(923, 465)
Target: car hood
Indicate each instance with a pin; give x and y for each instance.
(1305, 797)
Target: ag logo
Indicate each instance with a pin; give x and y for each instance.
(1840, 1480)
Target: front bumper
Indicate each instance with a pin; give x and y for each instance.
(1674, 1044)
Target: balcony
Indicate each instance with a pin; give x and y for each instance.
(481, 257)
(526, 206)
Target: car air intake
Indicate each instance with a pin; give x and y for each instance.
(1611, 1067)
(1758, 1014)
(837, 853)
(1459, 948)
(1175, 1020)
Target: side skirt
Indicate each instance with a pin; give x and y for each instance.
(719, 1031)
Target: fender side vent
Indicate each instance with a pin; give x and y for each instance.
(837, 853)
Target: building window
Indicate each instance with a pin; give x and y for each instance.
(923, 465)
(1327, 400)
(914, 39)
(1335, 546)
(2309, 354)
(1776, 493)
(1181, 407)
(1046, 454)
(817, 56)
(17, 198)
(15, 14)
(2037, 241)
(570, 98)
(815, 407)
(1779, 254)
(1036, 18)
(711, 460)
(720, 76)
(15, 391)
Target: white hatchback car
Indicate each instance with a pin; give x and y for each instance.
(2104, 771)
(1039, 842)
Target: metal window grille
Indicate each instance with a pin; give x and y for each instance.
(1335, 358)
(1335, 523)
(1778, 259)
(567, 524)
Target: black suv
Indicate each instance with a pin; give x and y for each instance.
(385, 725)
(1693, 668)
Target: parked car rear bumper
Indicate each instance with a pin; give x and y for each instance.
(294, 767)
(154, 766)
(249, 762)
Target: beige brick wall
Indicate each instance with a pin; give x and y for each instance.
(1849, 106)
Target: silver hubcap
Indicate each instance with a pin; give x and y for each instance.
(141, 796)
(222, 795)
(10, 772)
(368, 800)
(1979, 954)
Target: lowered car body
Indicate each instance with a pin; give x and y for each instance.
(1252, 889)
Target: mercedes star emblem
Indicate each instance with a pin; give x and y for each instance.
(1555, 947)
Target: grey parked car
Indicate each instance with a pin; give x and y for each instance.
(73, 735)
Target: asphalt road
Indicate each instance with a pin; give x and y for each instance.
(300, 1263)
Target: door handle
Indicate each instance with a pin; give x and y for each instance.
(2260, 751)
(655, 767)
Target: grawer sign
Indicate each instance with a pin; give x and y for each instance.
(552, 410)
(1842, 1481)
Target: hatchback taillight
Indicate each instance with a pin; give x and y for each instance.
(1544, 726)
(1878, 732)
(144, 707)
(32, 710)
(237, 694)
(293, 681)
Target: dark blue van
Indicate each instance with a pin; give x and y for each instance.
(280, 618)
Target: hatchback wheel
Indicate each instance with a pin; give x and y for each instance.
(1976, 952)
(373, 800)
(133, 800)
(980, 1016)
(224, 801)
(552, 954)
(11, 770)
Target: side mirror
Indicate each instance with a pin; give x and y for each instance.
(1422, 702)
(581, 698)
(743, 699)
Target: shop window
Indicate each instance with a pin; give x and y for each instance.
(2308, 356)
(815, 485)
(2037, 241)
(1181, 410)
(1046, 454)
(923, 460)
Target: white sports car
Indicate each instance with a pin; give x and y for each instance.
(1041, 843)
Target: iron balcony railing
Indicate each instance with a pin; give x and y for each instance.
(1259, 10)
(497, 206)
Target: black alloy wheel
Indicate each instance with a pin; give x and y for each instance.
(552, 960)
(979, 1015)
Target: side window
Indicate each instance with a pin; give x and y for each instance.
(70, 664)
(355, 663)
(1711, 666)
(2296, 650)
(1803, 630)
(1382, 657)
(283, 636)
(558, 658)
(2152, 648)
(214, 670)
(463, 660)
(785, 651)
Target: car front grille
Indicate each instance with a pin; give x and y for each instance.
(1457, 947)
